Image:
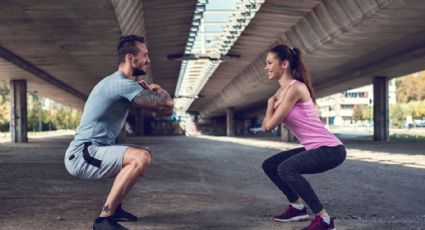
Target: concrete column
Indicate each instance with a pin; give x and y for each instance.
(230, 123)
(286, 134)
(139, 127)
(279, 129)
(18, 119)
(380, 109)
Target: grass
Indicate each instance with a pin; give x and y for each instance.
(406, 137)
(396, 137)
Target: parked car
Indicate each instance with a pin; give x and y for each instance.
(255, 130)
(259, 130)
(420, 123)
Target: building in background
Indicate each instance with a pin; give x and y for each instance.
(337, 109)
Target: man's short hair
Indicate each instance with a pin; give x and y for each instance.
(127, 45)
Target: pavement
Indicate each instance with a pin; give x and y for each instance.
(208, 182)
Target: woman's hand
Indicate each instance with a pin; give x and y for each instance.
(271, 102)
(278, 107)
(269, 112)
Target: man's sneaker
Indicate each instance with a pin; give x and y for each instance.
(107, 224)
(319, 224)
(292, 214)
(122, 215)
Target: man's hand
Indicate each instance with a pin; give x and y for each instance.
(144, 84)
(152, 86)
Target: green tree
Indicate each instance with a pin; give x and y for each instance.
(367, 112)
(418, 109)
(34, 112)
(411, 87)
(357, 113)
(398, 118)
(362, 112)
(4, 106)
(55, 116)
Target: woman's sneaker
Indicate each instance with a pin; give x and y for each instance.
(292, 214)
(319, 224)
(123, 216)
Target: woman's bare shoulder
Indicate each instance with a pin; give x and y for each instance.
(301, 89)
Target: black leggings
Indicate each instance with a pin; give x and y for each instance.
(285, 169)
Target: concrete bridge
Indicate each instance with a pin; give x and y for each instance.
(61, 49)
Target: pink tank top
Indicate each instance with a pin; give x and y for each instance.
(304, 123)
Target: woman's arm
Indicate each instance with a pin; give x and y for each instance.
(274, 116)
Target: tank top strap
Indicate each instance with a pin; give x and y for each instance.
(283, 93)
(292, 82)
(289, 86)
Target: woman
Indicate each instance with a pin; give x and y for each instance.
(294, 105)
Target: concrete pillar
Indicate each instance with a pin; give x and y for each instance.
(279, 130)
(139, 126)
(18, 119)
(286, 134)
(380, 109)
(230, 123)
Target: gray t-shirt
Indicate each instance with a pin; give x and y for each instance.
(106, 110)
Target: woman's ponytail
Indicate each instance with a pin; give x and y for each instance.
(301, 73)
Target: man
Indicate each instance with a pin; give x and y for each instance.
(92, 154)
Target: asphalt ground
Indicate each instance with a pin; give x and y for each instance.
(213, 183)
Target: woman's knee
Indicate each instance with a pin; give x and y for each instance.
(269, 166)
(286, 172)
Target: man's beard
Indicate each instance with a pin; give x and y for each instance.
(138, 72)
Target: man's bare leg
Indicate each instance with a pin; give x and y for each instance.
(134, 163)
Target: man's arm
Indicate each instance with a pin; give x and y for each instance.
(165, 111)
(156, 100)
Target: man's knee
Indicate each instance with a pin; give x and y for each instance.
(143, 158)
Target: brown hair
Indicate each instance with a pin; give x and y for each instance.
(127, 45)
(296, 65)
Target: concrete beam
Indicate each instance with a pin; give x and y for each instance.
(18, 120)
(402, 51)
(130, 16)
(344, 43)
(27, 66)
